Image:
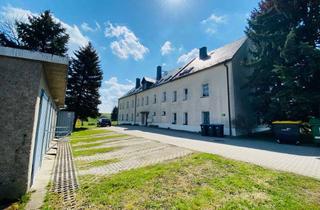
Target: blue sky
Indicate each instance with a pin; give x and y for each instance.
(132, 37)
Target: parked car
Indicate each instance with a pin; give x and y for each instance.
(103, 122)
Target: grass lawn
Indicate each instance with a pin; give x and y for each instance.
(89, 152)
(93, 139)
(199, 181)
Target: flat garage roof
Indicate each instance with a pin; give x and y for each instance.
(55, 67)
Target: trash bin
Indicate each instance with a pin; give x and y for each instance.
(212, 130)
(315, 128)
(204, 129)
(287, 131)
(219, 130)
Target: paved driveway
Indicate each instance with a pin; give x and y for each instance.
(297, 159)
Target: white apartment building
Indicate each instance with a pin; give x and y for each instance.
(208, 89)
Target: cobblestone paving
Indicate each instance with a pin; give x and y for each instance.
(133, 153)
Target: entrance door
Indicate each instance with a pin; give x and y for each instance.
(39, 141)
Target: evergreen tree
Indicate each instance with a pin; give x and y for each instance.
(41, 33)
(84, 81)
(284, 59)
(114, 114)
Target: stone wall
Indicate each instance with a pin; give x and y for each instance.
(19, 85)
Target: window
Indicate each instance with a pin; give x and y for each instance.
(127, 104)
(131, 117)
(132, 104)
(206, 117)
(174, 99)
(122, 117)
(127, 117)
(163, 113)
(154, 113)
(185, 94)
(138, 102)
(164, 96)
(147, 100)
(154, 98)
(185, 120)
(205, 90)
(174, 120)
(142, 101)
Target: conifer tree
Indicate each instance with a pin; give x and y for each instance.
(284, 59)
(40, 33)
(84, 81)
(114, 113)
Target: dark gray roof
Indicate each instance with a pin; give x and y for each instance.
(215, 57)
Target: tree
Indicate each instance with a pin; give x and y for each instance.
(114, 114)
(41, 33)
(84, 81)
(284, 59)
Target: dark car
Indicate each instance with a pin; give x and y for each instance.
(103, 122)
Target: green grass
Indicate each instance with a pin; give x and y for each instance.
(93, 139)
(199, 181)
(84, 165)
(90, 152)
(87, 132)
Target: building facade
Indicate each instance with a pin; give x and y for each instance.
(208, 89)
(32, 89)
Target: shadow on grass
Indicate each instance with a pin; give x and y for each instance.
(80, 129)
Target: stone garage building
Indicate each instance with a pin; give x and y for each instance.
(32, 89)
(208, 89)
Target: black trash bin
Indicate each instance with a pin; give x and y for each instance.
(287, 131)
(219, 130)
(212, 130)
(204, 129)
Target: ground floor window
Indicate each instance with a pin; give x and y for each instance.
(174, 120)
(206, 117)
(127, 117)
(185, 120)
(131, 117)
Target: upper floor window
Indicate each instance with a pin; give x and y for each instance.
(138, 102)
(205, 90)
(132, 104)
(174, 120)
(147, 100)
(127, 104)
(164, 113)
(142, 101)
(164, 96)
(174, 98)
(185, 94)
(154, 98)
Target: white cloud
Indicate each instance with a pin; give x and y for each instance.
(110, 92)
(212, 23)
(166, 48)
(185, 58)
(126, 44)
(213, 18)
(87, 28)
(77, 39)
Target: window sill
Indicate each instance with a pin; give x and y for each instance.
(204, 97)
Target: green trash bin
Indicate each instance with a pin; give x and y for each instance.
(315, 128)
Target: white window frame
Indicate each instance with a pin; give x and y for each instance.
(205, 90)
